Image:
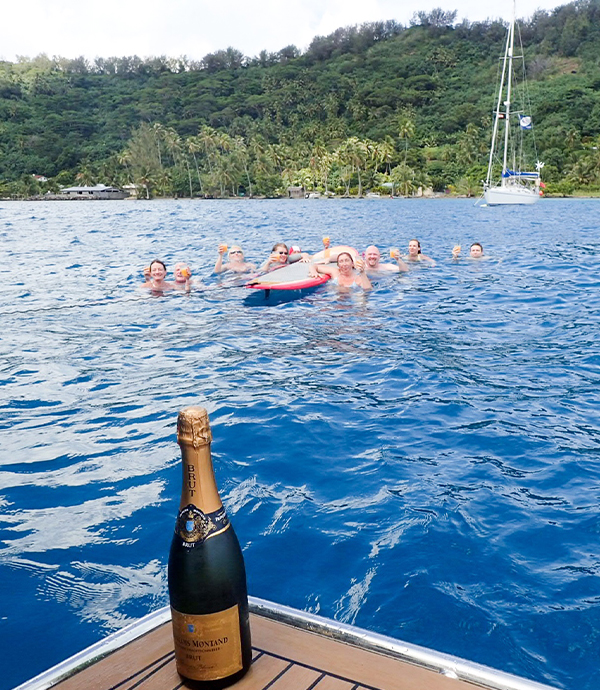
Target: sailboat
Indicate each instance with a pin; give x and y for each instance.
(515, 185)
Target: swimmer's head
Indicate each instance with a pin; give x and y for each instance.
(182, 272)
(476, 250)
(281, 249)
(158, 269)
(414, 247)
(372, 256)
(295, 249)
(235, 252)
(345, 260)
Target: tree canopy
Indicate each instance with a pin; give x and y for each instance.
(363, 108)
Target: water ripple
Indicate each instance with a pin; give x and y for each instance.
(422, 460)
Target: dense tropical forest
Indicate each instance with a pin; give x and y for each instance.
(361, 109)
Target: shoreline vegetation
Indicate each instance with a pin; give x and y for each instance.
(383, 197)
(373, 109)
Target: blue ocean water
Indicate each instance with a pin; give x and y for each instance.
(422, 461)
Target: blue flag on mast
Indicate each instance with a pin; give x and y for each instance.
(525, 122)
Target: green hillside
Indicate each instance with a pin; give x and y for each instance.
(364, 106)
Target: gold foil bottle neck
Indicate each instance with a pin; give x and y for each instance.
(193, 427)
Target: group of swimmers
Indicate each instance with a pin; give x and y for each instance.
(342, 263)
(156, 272)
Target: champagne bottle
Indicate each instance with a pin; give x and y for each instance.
(207, 578)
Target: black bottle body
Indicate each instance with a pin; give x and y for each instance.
(209, 578)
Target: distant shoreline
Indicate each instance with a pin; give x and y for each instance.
(434, 197)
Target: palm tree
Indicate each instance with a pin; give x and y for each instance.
(324, 162)
(85, 176)
(123, 159)
(207, 137)
(386, 150)
(344, 169)
(469, 146)
(241, 158)
(573, 138)
(194, 146)
(316, 160)
(468, 187)
(259, 151)
(225, 163)
(279, 156)
(146, 179)
(158, 130)
(403, 177)
(584, 172)
(172, 141)
(406, 131)
(421, 179)
(354, 153)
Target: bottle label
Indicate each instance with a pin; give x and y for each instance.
(195, 527)
(208, 646)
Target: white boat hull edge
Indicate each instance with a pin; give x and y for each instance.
(496, 196)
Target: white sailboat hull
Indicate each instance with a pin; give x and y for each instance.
(511, 194)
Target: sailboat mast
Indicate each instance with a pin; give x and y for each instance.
(497, 114)
(516, 185)
(511, 41)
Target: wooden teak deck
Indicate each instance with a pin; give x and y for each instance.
(291, 651)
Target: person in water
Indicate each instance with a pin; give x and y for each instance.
(183, 276)
(281, 255)
(475, 251)
(415, 253)
(155, 276)
(330, 254)
(236, 262)
(347, 273)
(373, 265)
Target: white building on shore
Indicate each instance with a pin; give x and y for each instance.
(99, 191)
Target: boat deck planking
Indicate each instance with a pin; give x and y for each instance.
(284, 658)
